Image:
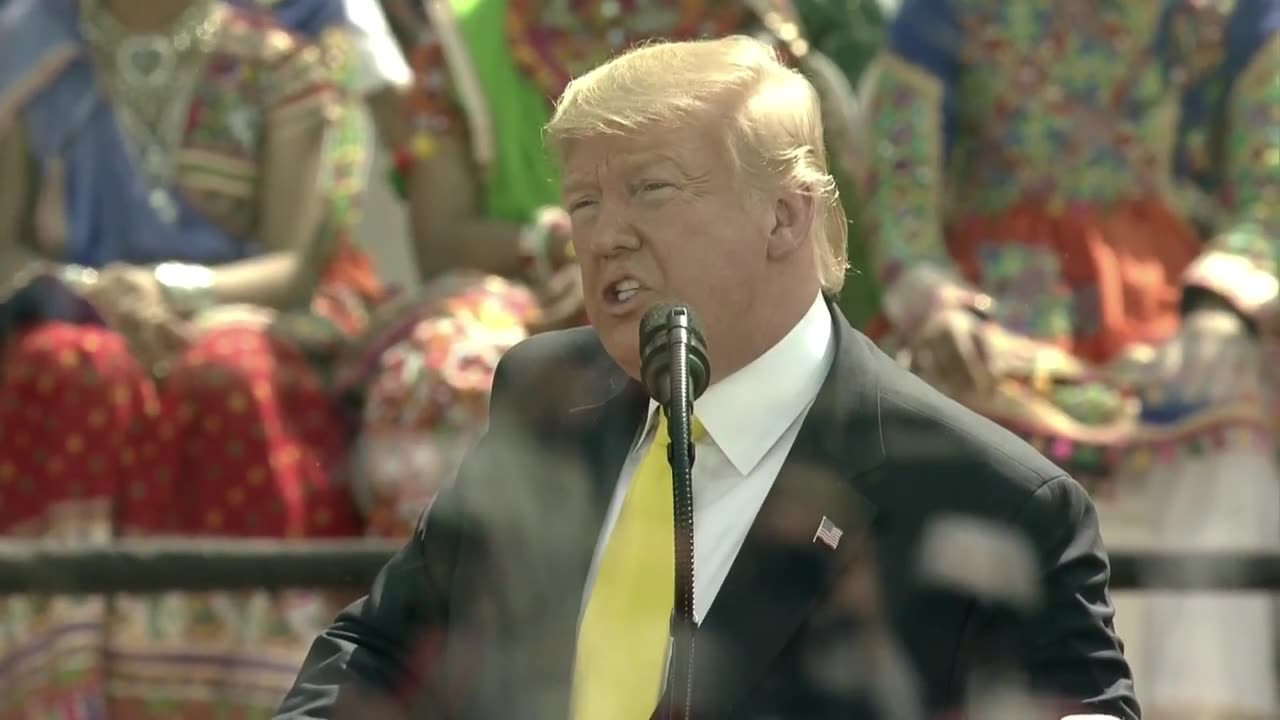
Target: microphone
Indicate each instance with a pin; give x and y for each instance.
(675, 371)
(667, 331)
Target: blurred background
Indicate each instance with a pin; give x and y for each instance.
(258, 259)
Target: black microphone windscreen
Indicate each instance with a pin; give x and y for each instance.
(655, 350)
(699, 364)
(654, 321)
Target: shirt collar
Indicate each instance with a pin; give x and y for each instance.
(747, 412)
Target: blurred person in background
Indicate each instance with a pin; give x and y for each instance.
(1074, 217)
(483, 198)
(364, 54)
(540, 585)
(850, 33)
(175, 234)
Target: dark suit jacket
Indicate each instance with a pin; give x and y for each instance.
(476, 616)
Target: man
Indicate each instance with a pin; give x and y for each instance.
(696, 171)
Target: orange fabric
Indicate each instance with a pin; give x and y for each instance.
(353, 269)
(1134, 256)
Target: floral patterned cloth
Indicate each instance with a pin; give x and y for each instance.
(429, 398)
(1078, 164)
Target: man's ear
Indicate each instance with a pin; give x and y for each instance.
(793, 216)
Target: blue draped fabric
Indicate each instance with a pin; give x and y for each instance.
(305, 17)
(927, 33)
(1251, 25)
(109, 215)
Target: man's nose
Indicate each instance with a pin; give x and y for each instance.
(614, 232)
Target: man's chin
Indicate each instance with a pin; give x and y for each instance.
(622, 341)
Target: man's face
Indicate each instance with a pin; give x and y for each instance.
(662, 216)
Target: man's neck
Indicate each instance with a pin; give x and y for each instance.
(146, 16)
(770, 331)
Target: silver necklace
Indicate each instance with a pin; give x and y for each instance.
(150, 78)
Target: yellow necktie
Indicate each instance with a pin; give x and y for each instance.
(622, 643)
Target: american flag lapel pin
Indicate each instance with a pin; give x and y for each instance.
(828, 533)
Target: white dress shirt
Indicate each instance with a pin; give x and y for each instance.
(752, 418)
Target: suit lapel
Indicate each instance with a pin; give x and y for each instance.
(782, 569)
(606, 429)
(600, 427)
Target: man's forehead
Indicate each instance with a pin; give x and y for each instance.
(586, 160)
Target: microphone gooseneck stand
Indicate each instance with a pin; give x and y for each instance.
(675, 370)
(681, 455)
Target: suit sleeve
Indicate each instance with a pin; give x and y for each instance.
(1071, 651)
(1240, 260)
(385, 650)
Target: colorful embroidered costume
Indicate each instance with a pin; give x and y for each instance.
(240, 437)
(355, 32)
(1083, 164)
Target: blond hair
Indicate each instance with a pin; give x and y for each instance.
(775, 137)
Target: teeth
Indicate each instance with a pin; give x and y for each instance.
(624, 290)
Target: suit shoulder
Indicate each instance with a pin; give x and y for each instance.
(542, 352)
(919, 422)
(553, 370)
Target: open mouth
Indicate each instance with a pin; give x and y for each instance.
(619, 296)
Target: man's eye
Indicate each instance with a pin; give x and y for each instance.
(580, 204)
(652, 186)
